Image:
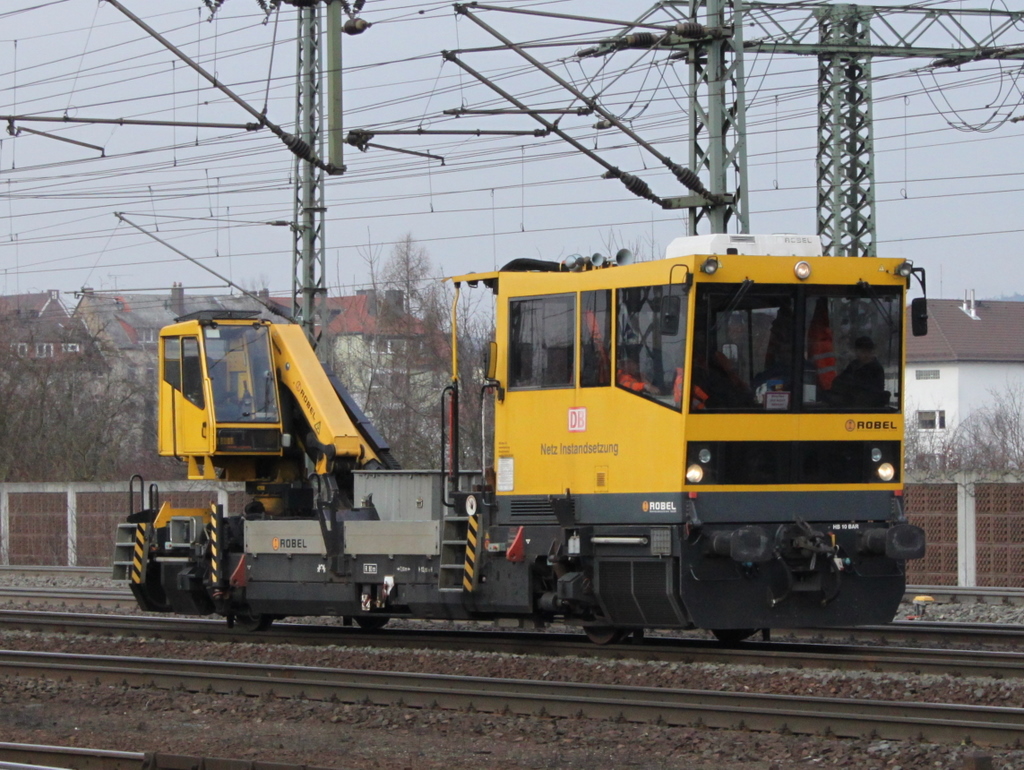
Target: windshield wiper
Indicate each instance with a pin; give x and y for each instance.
(883, 311)
(734, 301)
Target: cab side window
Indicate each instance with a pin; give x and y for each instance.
(595, 338)
(172, 362)
(542, 332)
(192, 372)
(650, 342)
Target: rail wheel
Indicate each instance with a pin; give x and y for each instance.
(370, 622)
(733, 635)
(253, 622)
(605, 634)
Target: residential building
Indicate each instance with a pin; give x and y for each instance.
(974, 350)
(40, 326)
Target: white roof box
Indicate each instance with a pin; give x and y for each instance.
(754, 245)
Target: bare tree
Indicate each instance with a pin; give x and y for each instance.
(66, 417)
(394, 353)
(989, 442)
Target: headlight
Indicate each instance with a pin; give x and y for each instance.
(886, 472)
(802, 270)
(709, 266)
(876, 455)
(704, 456)
(694, 474)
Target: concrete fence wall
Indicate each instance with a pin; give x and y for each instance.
(975, 528)
(73, 524)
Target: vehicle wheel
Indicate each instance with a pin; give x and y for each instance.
(733, 635)
(253, 622)
(605, 634)
(370, 622)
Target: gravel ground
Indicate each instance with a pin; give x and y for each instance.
(344, 736)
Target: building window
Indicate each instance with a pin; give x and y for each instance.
(44, 350)
(935, 420)
(926, 374)
(147, 335)
(70, 347)
(20, 348)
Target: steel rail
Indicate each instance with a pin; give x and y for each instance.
(96, 597)
(30, 756)
(35, 570)
(36, 755)
(966, 663)
(842, 717)
(967, 594)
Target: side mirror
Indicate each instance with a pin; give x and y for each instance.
(919, 316)
(492, 360)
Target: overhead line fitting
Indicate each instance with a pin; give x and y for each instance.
(293, 143)
(683, 31)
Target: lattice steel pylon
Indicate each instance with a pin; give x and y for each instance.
(846, 174)
(309, 284)
(844, 38)
(718, 133)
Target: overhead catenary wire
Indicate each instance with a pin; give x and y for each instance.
(252, 171)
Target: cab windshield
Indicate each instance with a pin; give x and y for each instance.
(781, 348)
(238, 363)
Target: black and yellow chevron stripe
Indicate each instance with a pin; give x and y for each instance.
(472, 544)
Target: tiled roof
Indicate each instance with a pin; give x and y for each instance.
(123, 318)
(996, 333)
(33, 305)
(356, 314)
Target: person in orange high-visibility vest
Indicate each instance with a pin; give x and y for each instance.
(629, 377)
(820, 347)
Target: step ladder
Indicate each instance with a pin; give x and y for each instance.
(124, 551)
(454, 531)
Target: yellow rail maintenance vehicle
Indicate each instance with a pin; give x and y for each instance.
(712, 440)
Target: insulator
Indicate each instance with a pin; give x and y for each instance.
(691, 29)
(641, 40)
(638, 187)
(689, 179)
(355, 26)
(299, 147)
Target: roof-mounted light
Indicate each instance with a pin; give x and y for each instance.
(905, 268)
(710, 266)
(802, 270)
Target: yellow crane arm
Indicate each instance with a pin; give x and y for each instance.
(338, 426)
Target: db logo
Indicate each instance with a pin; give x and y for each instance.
(276, 543)
(578, 419)
(850, 425)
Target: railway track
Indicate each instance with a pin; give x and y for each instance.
(966, 663)
(842, 717)
(28, 755)
(114, 598)
(913, 632)
(45, 571)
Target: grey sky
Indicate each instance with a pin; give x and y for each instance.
(947, 198)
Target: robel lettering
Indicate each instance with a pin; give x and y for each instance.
(876, 425)
(659, 506)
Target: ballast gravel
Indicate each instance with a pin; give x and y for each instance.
(358, 736)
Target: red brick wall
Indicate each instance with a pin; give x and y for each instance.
(39, 528)
(999, 518)
(933, 508)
